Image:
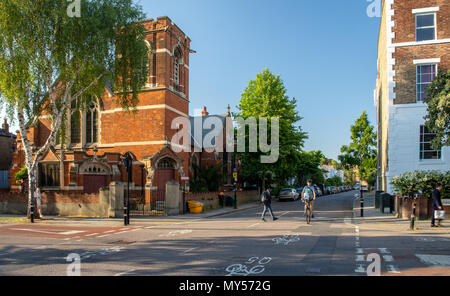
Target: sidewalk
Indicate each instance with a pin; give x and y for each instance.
(134, 220)
(374, 219)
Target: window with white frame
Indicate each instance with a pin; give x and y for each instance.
(424, 76)
(425, 27)
(426, 151)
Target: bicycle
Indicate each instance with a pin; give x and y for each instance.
(308, 211)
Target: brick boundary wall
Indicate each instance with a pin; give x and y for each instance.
(107, 203)
(243, 197)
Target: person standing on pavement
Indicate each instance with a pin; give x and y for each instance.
(309, 193)
(436, 204)
(38, 198)
(267, 200)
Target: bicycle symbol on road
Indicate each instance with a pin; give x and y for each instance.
(286, 240)
(243, 269)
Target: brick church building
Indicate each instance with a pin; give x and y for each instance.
(98, 136)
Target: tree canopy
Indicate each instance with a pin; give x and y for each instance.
(265, 97)
(50, 62)
(438, 117)
(361, 152)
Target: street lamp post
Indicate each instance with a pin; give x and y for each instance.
(361, 200)
(127, 161)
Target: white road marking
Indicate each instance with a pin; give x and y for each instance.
(125, 272)
(388, 258)
(392, 269)
(384, 251)
(360, 258)
(92, 234)
(359, 251)
(187, 251)
(109, 231)
(176, 232)
(120, 232)
(253, 225)
(49, 231)
(103, 235)
(360, 269)
(435, 260)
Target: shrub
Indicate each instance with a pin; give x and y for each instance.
(421, 182)
(22, 174)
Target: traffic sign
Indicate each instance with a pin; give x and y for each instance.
(235, 175)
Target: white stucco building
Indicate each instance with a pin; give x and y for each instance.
(414, 44)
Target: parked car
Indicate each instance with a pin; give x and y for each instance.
(365, 188)
(288, 193)
(328, 190)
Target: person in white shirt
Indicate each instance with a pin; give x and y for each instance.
(38, 198)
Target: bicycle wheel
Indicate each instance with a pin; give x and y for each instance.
(308, 215)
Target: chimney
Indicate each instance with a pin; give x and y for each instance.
(5, 126)
(204, 112)
(228, 110)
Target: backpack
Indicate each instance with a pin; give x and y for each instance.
(308, 194)
(264, 197)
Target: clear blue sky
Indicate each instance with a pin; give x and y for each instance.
(324, 50)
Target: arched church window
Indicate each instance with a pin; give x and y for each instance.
(75, 124)
(178, 60)
(92, 124)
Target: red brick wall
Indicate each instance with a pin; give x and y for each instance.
(405, 30)
(53, 197)
(405, 70)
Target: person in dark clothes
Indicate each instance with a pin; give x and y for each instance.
(437, 204)
(268, 204)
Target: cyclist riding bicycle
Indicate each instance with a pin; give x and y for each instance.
(308, 193)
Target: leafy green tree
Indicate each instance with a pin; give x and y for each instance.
(50, 61)
(335, 181)
(265, 97)
(438, 117)
(361, 152)
(207, 180)
(308, 167)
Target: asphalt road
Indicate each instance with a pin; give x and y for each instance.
(234, 244)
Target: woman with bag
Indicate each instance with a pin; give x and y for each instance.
(38, 197)
(438, 213)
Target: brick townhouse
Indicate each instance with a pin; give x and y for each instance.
(98, 136)
(414, 44)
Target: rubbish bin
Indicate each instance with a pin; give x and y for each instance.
(230, 201)
(387, 203)
(195, 207)
(378, 199)
(221, 200)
